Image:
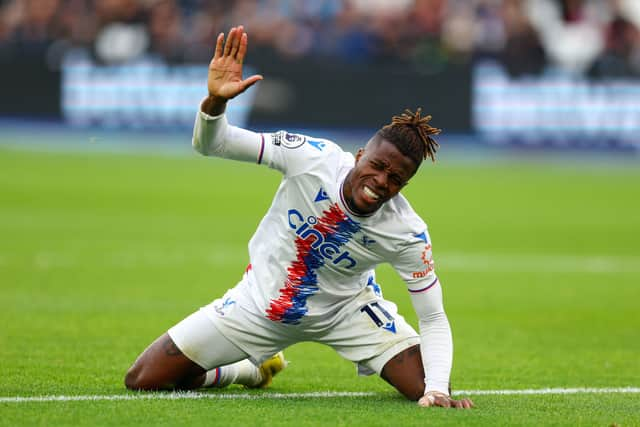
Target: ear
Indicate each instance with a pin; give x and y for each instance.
(359, 154)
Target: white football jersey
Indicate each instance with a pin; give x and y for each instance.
(310, 253)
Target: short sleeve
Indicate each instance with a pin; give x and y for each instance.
(414, 262)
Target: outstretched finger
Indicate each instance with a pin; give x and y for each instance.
(230, 37)
(219, 42)
(242, 50)
(236, 41)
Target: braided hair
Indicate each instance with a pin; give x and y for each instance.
(411, 135)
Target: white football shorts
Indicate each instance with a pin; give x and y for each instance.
(367, 331)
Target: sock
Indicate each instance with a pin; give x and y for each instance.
(243, 372)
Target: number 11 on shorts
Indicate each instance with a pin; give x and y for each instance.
(389, 325)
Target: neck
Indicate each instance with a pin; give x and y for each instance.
(347, 197)
(346, 192)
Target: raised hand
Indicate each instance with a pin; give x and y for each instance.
(433, 398)
(225, 70)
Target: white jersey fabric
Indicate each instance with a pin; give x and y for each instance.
(311, 255)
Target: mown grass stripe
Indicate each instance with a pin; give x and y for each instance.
(465, 262)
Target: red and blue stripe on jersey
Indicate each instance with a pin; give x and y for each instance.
(302, 279)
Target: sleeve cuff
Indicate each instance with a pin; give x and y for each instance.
(206, 116)
(435, 386)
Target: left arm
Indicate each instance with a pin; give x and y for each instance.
(436, 347)
(436, 344)
(416, 266)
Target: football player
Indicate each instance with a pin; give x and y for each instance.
(333, 219)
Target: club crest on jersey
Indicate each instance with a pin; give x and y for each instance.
(287, 140)
(366, 241)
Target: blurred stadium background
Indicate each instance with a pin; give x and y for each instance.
(104, 243)
(543, 72)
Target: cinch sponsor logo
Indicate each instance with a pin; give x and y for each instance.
(328, 245)
(317, 240)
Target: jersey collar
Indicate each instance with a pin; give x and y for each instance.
(345, 206)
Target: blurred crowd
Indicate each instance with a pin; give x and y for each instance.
(599, 37)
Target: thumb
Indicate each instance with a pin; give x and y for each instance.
(426, 401)
(250, 81)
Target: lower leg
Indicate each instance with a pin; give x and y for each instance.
(246, 373)
(404, 371)
(243, 372)
(163, 366)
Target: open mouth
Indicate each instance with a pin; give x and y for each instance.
(371, 194)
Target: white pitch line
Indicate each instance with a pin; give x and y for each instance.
(549, 391)
(313, 395)
(184, 395)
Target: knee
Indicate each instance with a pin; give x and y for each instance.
(136, 380)
(132, 380)
(412, 390)
(414, 393)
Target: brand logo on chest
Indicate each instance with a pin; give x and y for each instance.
(326, 236)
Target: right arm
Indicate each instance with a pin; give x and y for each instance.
(224, 80)
(287, 152)
(212, 135)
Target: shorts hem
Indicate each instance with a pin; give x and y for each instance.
(254, 357)
(375, 364)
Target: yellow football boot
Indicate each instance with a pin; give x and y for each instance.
(269, 368)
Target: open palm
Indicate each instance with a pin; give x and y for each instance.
(225, 69)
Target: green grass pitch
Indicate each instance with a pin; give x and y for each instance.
(101, 253)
